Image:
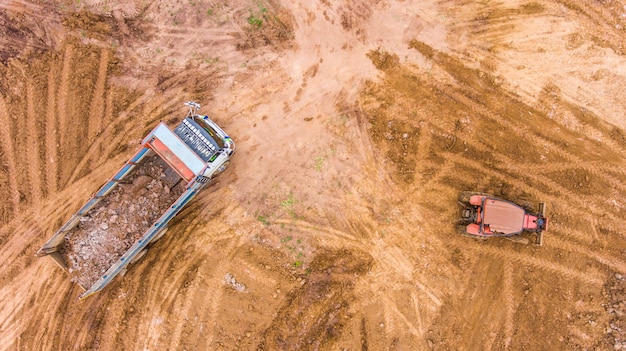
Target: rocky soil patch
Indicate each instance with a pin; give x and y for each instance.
(120, 219)
(615, 292)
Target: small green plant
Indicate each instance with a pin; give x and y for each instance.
(319, 163)
(254, 20)
(211, 60)
(288, 203)
(263, 220)
(209, 12)
(297, 264)
(286, 239)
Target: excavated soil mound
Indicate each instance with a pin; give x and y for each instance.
(119, 220)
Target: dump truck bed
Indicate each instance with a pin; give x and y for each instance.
(120, 219)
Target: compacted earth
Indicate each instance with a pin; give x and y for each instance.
(358, 123)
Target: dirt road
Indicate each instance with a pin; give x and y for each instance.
(357, 124)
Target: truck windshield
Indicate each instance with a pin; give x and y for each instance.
(213, 134)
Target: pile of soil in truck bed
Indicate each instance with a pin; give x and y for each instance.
(120, 219)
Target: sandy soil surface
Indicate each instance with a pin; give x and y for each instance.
(357, 124)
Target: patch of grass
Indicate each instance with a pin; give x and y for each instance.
(286, 239)
(319, 163)
(211, 60)
(263, 220)
(288, 206)
(289, 202)
(254, 21)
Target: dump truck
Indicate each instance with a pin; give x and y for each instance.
(483, 216)
(133, 208)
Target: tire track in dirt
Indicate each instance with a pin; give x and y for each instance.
(392, 261)
(118, 130)
(508, 301)
(416, 310)
(499, 163)
(50, 306)
(15, 335)
(255, 273)
(596, 169)
(571, 232)
(7, 145)
(34, 138)
(407, 324)
(28, 8)
(561, 26)
(605, 22)
(591, 278)
(185, 32)
(326, 235)
(62, 99)
(51, 135)
(219, 271)
(23, 231)
(14, 299)
(172, 276)
(98, 98)
(515, 127)
(447, 169)
(614, 263)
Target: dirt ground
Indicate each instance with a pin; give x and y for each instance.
(357, 125)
